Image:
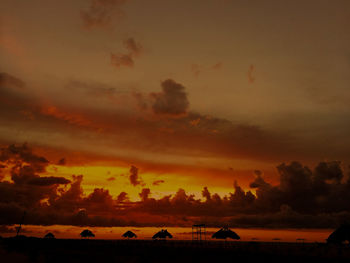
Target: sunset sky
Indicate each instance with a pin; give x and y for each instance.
(124, 102)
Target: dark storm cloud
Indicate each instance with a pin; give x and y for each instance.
(122, 197)
(206, 134)
(43, 198)
(24, 158)
(304, 190)
(100, 13)
(206, 194)
(158, 182)
(28, 188)
(304, 198)
(62, 161)
(46, 181)
(134, 176)
(329, 171)
(172, 100)
(98, 200)
(25, 166)
(144, 195)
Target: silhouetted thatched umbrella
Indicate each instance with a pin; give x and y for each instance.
(162, 234)
(87, 233)
(49, 235)
(129, 234)
(340, 235)
(224, 233)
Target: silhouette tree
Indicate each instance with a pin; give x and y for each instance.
(86, 234)
(162, 234)
(129, 234)
(49, 236)
(225, 233)
(340, 235)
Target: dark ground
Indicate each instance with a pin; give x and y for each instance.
(70, 250)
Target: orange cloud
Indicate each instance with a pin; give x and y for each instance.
(127, 60)
(196, 69)
(122, 60)
(75, 119)
(100, 13)
(11, 45)
(135, 48)
(217, 65)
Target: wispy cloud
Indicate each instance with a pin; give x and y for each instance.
(198, 69)
(100, 13)
(250, 74)
(134, 48)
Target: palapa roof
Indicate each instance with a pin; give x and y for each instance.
(163, 234)
(340, 235)
(129, 234)
(87, 233)
(49, 235)
(224, 233)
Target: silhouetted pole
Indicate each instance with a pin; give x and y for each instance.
(197, 231)
(20, 225)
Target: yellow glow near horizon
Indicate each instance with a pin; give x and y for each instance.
(100, 177)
